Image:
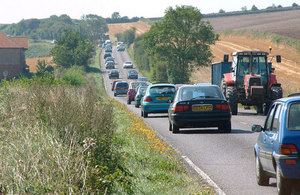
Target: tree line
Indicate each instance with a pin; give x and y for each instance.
(53, 27)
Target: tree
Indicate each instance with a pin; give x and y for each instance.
(244, 8)
(294, 5)
(71, 49)
(254, 8)
(182, 40)
(221, 11)
(92, 25)
(115, 15)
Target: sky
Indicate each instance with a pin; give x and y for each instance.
(13, 11)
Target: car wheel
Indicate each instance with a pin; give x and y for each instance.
(128, 102)
(175, 128)
(283, 185)
(142, 113)
(136, 105)
(115, 94)
(145, 114)
(170, 126)
(225, 127)
(261, 177)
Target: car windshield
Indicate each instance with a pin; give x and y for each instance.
(128, 62)
(157, 90)
(132, 72)
(142, 79)
(294, 116)
(122, 85)
(201, 92)
(142, 90)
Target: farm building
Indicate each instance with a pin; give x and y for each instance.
(12, 56)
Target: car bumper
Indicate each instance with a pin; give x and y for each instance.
(287, 170)
(203, 120)
(132, 77)
(156, 107)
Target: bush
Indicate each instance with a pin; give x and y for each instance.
(74, 76)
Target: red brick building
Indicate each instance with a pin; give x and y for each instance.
(12, 56)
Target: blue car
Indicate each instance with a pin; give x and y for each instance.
(157, 99)
(278, 144)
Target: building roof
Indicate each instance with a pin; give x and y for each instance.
(13, 42)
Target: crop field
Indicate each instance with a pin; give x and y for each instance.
(286, 23)
(33, 62)
(141, 28)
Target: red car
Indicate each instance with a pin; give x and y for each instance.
(132, 90)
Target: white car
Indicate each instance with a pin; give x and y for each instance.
(128, 64)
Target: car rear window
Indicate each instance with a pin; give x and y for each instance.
(157, 90)
(294, 116)
(201, 92)
(122, 85)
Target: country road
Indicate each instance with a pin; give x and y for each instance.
(228, 159)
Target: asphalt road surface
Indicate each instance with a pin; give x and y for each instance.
(228, 159)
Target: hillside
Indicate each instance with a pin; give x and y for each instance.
(286, 23)
(141, 28)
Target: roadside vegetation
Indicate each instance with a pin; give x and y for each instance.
(63, 135)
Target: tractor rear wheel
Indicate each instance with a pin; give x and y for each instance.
(231, 94)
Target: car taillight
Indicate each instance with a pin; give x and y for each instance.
(224, 107)
(181, 108)
(288, 149)
(117, 88)
(148, 99)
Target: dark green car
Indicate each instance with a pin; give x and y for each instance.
(139, 94)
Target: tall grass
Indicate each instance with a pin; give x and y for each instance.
(56, 139)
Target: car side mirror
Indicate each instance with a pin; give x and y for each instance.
(257, 128)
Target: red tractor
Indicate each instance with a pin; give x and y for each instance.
(249, 79)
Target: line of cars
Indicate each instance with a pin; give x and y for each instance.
(204, 105)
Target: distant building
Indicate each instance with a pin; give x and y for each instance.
(12, 56)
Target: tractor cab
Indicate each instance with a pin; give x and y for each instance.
(251, 69)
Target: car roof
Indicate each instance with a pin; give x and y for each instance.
(154, 85)
(289, 99)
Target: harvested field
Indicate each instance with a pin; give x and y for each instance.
(141, 28)
(33, 62)
(286, 23)
(288, 71)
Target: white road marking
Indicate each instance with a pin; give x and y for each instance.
(244, 123)
(204, 176)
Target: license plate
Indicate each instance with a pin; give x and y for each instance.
(202, 108)
(163, 98)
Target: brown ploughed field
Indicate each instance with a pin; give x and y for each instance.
(33, 62)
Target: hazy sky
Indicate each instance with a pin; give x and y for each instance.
(12, 11)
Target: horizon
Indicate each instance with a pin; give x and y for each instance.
(32, 9)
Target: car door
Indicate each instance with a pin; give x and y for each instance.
(264, 146)
(273, 135)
